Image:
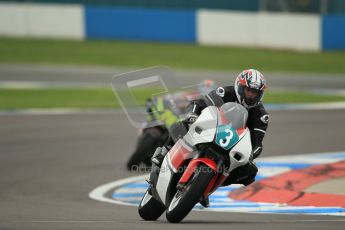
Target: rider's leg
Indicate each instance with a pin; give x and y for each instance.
(176, 131)
(242, 175)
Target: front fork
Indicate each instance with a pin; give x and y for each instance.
(193, 164)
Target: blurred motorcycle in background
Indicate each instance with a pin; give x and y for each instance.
(165, 111)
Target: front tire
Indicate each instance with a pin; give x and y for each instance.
(149, 208)
(184, 201)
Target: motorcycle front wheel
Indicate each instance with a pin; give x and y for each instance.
(184, 201)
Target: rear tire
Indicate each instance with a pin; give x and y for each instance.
(149, 208)
(183, 202)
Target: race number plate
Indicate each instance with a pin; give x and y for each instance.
(226, 136)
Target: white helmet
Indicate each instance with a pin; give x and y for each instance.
(249, 87)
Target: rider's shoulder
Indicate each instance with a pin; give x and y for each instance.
(261, 113)
(260, 108)
(225, 91)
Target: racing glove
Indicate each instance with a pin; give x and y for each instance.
(256, 152)
(191, 118)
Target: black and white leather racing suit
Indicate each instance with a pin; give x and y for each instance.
(257, 123)
(257, 116)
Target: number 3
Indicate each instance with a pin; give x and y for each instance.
(225, 142)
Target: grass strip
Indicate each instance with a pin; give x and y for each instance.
(181, 56)
(105, 98)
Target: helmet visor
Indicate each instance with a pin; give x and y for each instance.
(251, 96)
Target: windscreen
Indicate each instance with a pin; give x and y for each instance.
(236, 114)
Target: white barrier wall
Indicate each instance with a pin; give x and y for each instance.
(37, 20)
(213, 27)
(272, 30)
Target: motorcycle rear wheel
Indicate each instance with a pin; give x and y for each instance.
(149, 208)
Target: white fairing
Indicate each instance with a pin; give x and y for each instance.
(147, 197)
(204, 128)
(165, 175)
(243, 148)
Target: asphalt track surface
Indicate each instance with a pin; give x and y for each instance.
(50, 163)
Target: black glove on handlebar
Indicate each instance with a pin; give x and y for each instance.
(256, 152)
(191, 118)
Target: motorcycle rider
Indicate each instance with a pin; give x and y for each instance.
(248, 91)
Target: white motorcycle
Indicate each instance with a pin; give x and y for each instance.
(217, 144)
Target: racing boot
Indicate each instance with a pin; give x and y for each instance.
(244, 174)
(159, 155)
(157, 160)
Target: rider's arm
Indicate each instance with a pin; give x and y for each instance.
(258, 128)
(216, 97)
(197, 106)
(257, 138)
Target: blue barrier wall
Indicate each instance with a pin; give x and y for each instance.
(333, 32)
(140, 24)
(165, 25)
